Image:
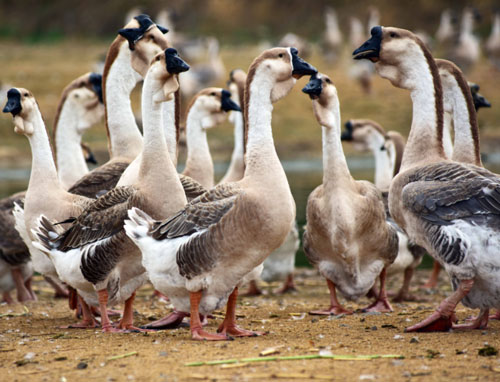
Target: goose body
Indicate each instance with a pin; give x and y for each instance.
(347, 237)
(94, 253)
(200, 255)
(387, 148)
(332, 37)
(449, 208)
(466, 52)
(493, 42)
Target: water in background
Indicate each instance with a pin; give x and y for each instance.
(303, 175)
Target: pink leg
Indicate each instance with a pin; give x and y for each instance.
(404, 292)
(7, 298)
(87, 322)
(441, 319)
(288, 286)
(335, 307)
(229, 326)
(172, 321)
(433, 280)
(60, 292)
(381, 304)
(103, 306)
(22, 292)
(127, 321)
(197, 332)
(160, 296)
(27, 284)
(253, 289)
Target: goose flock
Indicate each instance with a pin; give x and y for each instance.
(103, 233)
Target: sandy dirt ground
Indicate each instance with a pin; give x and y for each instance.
(33, 348)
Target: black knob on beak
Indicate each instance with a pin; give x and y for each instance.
(175, 64)
(347, 133)
(314, 87)
(227, 103)
(13, 104)
(96, 81)
(301, 67)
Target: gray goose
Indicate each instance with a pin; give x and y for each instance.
(451, 209)
(347, 237)
(202, 254)
(94, 254)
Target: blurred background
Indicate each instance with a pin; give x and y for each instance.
(46, 44)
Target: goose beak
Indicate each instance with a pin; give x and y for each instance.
(90, 158)
(13, 104)
(227, 103)
(313, 87)
(175, 64)
(480, 101)
(371, 48)
(300, 67)
(96, 81)
(347, 133)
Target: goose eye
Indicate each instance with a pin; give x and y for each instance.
(25, 94)
(280, 55)
(158, 58)
(213, 94)
(392, 34)
(152, 38)
(328, 81)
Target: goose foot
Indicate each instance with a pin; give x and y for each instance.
(6, 297)
(129, 328)
(111, 312)
(23, 294)
(480, 322)
(253, 290)
(288, 286)
(495, 316)
(434, 278)
(88, 321)
(442, 319)
(197, 332)
(236, 331)
(172, 321)
(404, 293)
(335, 307)
(381, 304)
(161, 297)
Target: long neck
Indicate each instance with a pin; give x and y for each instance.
(71, 164)
(447, 126)
(199, 163)
(237, 165)
(425, 142)
(466, 142)
(124, 137)
(384, 164)
(495, 31)
(43, 169)
(168, 111)
(261, 156)
(335, 170)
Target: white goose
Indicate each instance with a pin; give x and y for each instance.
(466, 52)
(493, 42)
(332, 37)
(347, 237)
(387, 148)
(200, 256)
(451, 209)
(79, 108)
(207, 109)
(94, 254)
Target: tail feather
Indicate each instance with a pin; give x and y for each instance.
(139, 223)
(47, 234)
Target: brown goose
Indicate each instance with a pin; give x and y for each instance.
(94, 254)
(200, 255)
(451, 209)
(347, 237)
(387, 148)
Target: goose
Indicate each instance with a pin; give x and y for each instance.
(479, 102)
(207, 109)
(466, 51)
(332, 37)
(236, 169)
(202, 254)
(446, 30)
(94, 254)
(204, 74)
(447, 207)
(280, 264)
(368, 135)
(493, 42)
(80, 110)
(126, 64)
(349, 254)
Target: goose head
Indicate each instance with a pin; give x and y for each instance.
(399, 55)
(323, 94)
(365, 135)
(84, 98)
(164, 71)
(88, 154)
(145, 41)
(236, 86)
(448, 73)
(279, 68)
(22, 105)
(211, 105)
